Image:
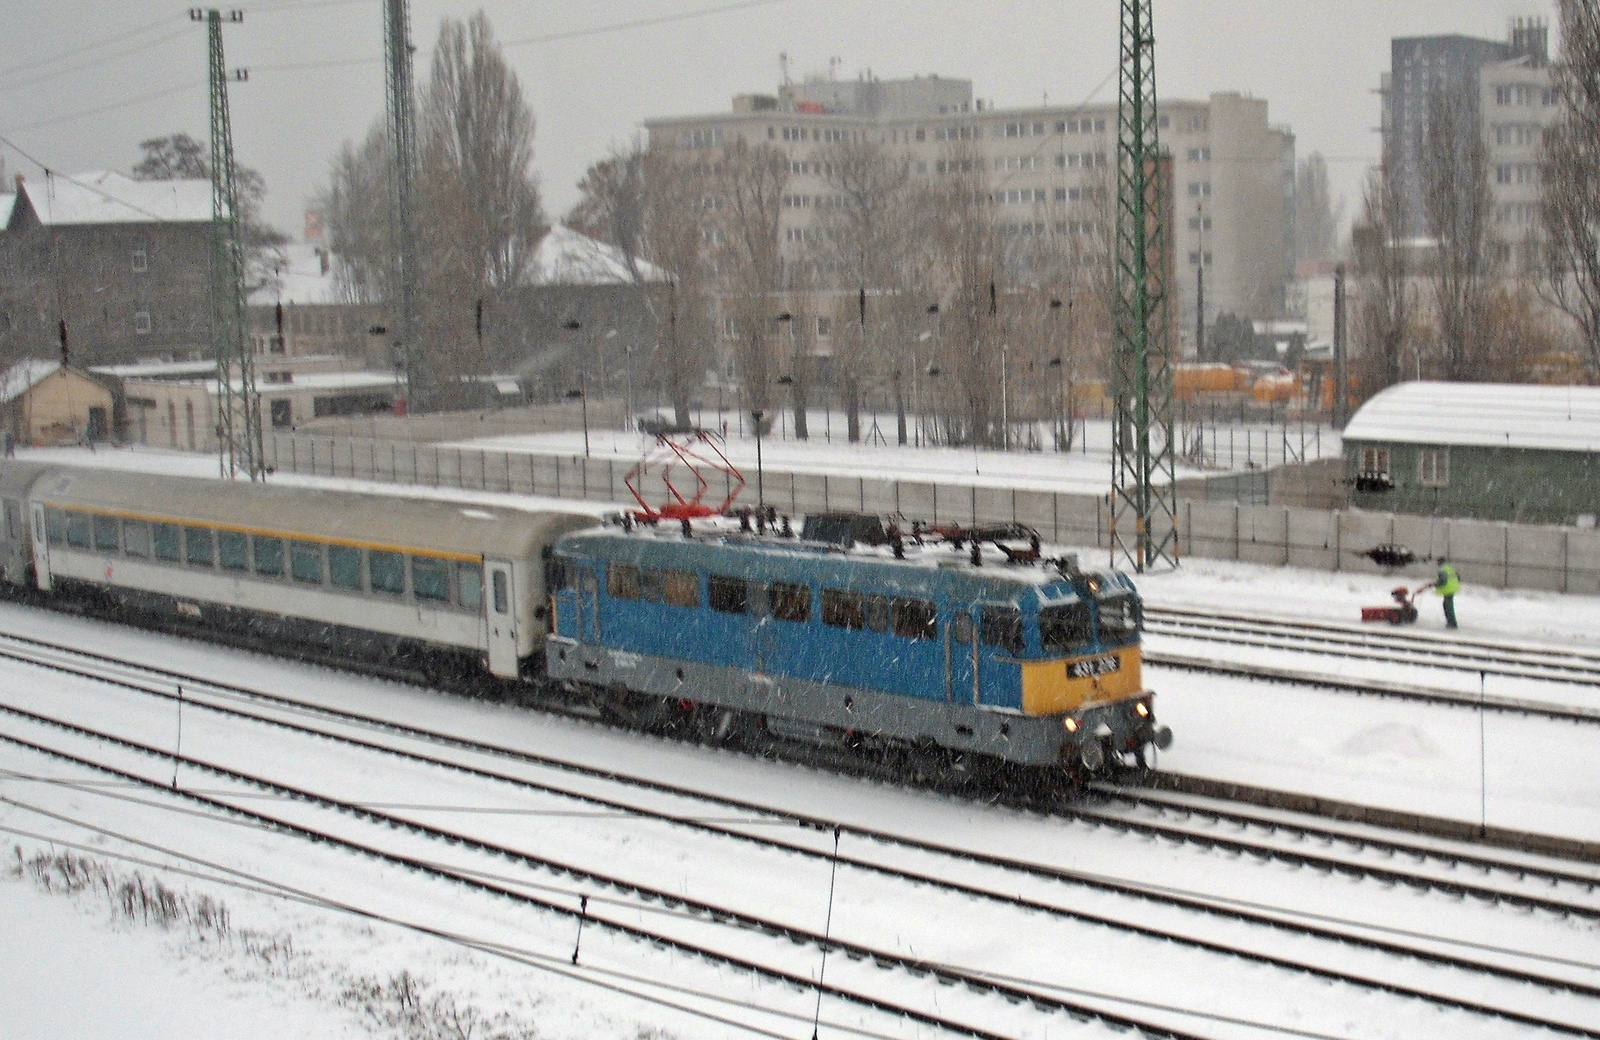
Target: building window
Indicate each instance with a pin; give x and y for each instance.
(1433, 467)
(1375, 461)
(141, 261)
(824, 327)
(730, 329)
(141, 323)
(1199, 189)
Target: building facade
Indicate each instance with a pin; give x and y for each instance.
(1049, 170)
(123, 264)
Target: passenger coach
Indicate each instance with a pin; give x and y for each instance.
(422, 583)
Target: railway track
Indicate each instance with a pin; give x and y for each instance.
(1009, 871)
(1553, 683)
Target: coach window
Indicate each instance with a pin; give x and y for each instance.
(622, 581)
(136, 538)
(502, 595)
(78, 530)
(650, 584)
(961, 627)
(305, 562)
(878, 613)
(55, 523)
(167, 539)
(790, 602)
(914, 619)
(268, 555)
(105, 534)
(233, 551)
(469, 586)
(843, 609)
(729, 595)
(197, 548)
(1002, 627)
(388, 572)
(680, 588)
(430, 579)
(344, 566)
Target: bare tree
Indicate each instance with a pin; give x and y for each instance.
(862, 236)
(1459, 210)
(180, 157)
(355, 203)
(1570, 210)
(1382, 263)
(747, 184)
(1317, 216)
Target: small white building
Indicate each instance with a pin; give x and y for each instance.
(184, 413)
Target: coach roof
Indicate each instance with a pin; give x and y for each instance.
(389, 521)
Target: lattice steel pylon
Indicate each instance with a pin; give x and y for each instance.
(1144, 522)
(239, 443)
(401, 121)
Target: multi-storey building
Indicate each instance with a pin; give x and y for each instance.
(1518, 103)
(1049, 170)
(1476, 75)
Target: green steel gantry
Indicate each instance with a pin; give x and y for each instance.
(402, 126)
(1144, 522)
(239, 443)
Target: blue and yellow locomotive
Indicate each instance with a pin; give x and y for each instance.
(1032, 663)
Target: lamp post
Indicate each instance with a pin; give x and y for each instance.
(582, 398)
(1059, 365)
(756, 415)
(916, 390)
(797, 397)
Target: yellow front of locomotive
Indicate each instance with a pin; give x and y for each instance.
(1090, 672)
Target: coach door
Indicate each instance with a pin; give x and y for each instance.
(502, 606)
(960, 656)
(41, 546)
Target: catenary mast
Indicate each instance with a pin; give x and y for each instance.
(1144, 526)
(402, 127)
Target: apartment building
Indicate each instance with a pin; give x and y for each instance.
(1518, 103)
(1050, 170)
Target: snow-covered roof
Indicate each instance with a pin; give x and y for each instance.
(109, 197)
(155, 369)
(300, 280)
(24, 376)
(308, 381)
(1554, 418)
(568, 257)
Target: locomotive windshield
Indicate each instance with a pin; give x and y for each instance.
(1064, 629)
(1119, 619)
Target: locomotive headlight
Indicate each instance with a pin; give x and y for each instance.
(1071, 724)
(1143, 709)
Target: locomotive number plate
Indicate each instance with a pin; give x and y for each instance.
(1094, 667)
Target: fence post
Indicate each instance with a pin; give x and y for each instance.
(1338, 540)
(1286, 536)
(1566, 558)
(1505, 558)
(1236, 533)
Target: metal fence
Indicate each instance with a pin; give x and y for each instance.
(1501, 555)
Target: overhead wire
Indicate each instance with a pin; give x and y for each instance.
(98, 60)
(85, 48)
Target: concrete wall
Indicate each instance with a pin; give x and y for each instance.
(1500, 555)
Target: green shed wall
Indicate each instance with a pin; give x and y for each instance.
(1514, 484)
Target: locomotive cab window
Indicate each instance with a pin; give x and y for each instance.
(268, 556)
(469, 586)
(1064, 629)
(105, 534)
(233, 551)
(1119, 620)
(1002, 627)
(961, 628)
(388, 572)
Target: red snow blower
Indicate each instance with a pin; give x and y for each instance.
(1403, 612)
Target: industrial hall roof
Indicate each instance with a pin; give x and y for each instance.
(1487, 415)
(568, 257)
(108, 197)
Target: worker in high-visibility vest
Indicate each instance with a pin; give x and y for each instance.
(1447, 584)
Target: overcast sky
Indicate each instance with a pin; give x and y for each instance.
(82, 82)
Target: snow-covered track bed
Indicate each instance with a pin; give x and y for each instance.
(1061, 911)
(1557, 683)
